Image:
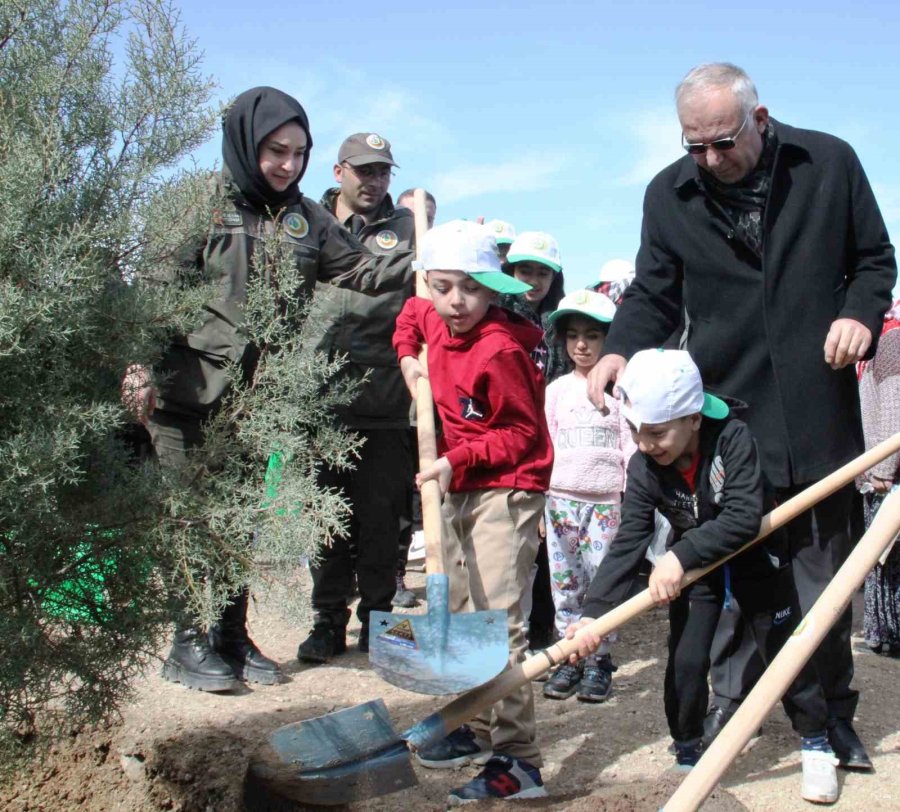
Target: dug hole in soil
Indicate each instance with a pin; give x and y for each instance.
(184, 750)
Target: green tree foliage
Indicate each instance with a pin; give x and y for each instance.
(100, 101)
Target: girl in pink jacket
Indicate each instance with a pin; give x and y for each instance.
(591, 453)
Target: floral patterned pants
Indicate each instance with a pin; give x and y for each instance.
(578, 537)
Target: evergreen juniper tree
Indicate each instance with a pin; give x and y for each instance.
(100, 103)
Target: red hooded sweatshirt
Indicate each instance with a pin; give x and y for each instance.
(489, 395)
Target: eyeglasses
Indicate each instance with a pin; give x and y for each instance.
(719, 145)
(370, 171)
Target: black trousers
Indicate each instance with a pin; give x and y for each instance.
(377, 490)
(819, 542)
(411, 519)
(541, 628)
(772, 610)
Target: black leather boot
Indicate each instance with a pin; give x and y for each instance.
(327, 638)
(229, 639)
(195, 665)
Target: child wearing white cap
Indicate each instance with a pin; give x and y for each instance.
(504, 233)
(614, 278)
(494, 468)
(534, 258)
(699, 466)
(590, 454)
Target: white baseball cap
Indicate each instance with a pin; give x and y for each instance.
(461, 245)
(587, 303)
(616, 269)
(503, 232)
(662, 385)
(537, 246)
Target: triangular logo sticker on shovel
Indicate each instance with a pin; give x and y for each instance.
(401, 635)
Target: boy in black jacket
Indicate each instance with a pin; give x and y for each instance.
(699, 467)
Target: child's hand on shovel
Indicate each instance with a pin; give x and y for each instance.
(441, 470)
(588, 642)
(665, 580)
(412, 370)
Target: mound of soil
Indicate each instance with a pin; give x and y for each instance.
(182, 750)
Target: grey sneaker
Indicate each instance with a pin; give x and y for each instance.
(820, 784)
(596, 682)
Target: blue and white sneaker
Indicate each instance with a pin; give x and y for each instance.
(455, 750)
(502, 777)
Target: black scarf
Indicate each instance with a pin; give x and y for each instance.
(251, 117)
(745, 201)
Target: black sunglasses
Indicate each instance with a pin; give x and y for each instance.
(719, 145)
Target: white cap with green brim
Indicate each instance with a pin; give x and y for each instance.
(535, 246)
(587, 303)
(616, 269)
(503, 232)
(662, 385)
(461, 245)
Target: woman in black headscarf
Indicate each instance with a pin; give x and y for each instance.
(266, 146)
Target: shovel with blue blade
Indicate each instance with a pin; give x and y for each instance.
(436, 653)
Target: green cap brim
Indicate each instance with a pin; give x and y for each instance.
(530, 258)
(499, 281)
(558, 314)
(505, 240)
(714, 407)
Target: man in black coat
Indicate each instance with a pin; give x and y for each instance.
(770, 239)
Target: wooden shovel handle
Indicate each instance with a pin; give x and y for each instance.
(782, 671)
(425, 431)
(468, 705)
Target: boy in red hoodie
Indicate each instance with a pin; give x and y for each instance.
(494, 468)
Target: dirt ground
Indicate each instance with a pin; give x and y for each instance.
(183, 750)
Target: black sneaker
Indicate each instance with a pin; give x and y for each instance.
(564, 681)
(323, 643)
(502, 777)
(457, 749)
(687, 754)
(596, 682)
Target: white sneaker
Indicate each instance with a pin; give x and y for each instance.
(820, 784)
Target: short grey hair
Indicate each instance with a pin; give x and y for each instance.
(716, 75)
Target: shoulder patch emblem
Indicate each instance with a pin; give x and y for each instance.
(386, 239)
(717, 479)
(295, 225)
(375, 141)
(227, 218)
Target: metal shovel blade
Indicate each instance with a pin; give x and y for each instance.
(438, 653)
(341, 757)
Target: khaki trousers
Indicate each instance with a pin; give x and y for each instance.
(490, 543)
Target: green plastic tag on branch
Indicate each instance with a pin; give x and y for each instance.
(274, 472)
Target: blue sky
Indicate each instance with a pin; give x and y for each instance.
(554, 117)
